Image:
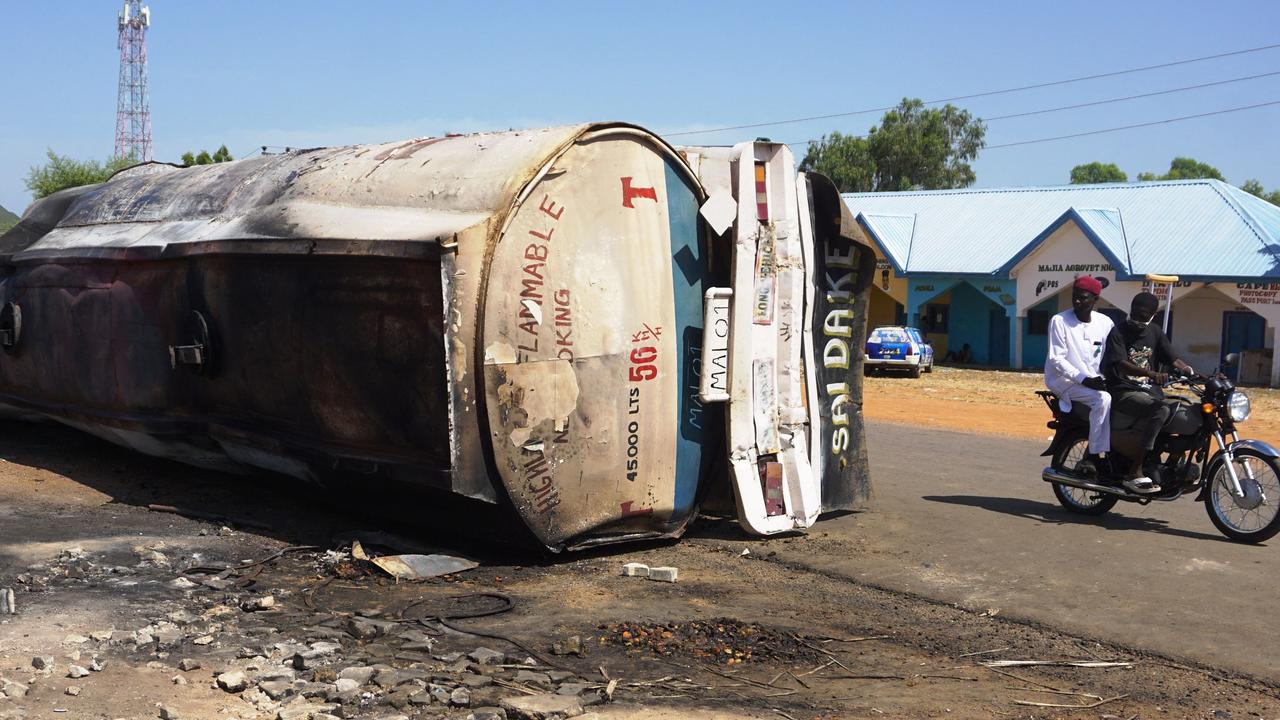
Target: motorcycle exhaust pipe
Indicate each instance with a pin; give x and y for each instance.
(1054, 476)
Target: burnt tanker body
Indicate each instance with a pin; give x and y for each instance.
(510, 321)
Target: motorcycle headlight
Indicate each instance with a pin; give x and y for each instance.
(1238, 406)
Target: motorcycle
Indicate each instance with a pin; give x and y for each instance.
(1240, 482)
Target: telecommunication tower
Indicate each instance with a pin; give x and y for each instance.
(133, 111)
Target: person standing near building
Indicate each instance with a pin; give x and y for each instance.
(1077, 339)
(1137, 352)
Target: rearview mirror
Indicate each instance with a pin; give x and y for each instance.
(1231, 359)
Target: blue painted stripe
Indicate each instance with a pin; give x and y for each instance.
(687, 281)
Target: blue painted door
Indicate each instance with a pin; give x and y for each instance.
(998, 338)
(1241, 331)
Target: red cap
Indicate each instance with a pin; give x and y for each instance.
(1090, 283)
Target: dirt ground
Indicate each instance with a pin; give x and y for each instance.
(1004, 403)
(105, 584)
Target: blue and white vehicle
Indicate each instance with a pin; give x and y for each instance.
(898, 347)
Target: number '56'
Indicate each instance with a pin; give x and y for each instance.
(642, 367)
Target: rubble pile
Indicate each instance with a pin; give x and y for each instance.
(286, 657)
(722, 641)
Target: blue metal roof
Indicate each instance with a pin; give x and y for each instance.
(1199, 229)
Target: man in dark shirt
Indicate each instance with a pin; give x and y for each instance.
(1136, 352)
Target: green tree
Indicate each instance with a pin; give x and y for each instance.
(1097, 172)
(204, 158)
(62, 172)
(846, 159)
(1253, 187)
(913, 147)
(1185, 168)
(7, 219)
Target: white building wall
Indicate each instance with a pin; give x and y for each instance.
(1197, 326)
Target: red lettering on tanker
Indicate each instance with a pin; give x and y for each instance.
(533, 277)
(628, 512)
(563, 325)
(642, 368)
(631, 193)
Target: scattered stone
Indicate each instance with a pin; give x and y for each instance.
(449, 657)
(168, 636)
(485, 656)
(73, 690)
(8, 603)
(168, 713)
(203, 640)
(488, 713)
(664, 574)
(97, 664)
(460, 697)
(181, 617)
(188, 664)
(531, 677)
(74, 640)
(574, 688)
(276, 689)
(365, 628)
(571, 645)
(559, 676)
(233, 682)
(476, 681)
(325, 675)
(361, 675)
(266, 602)
(15, 689)
(178, 680)
(542, 707)
(75, 671)
(42, 663)
(319, 649)
(181, 583)
(100, 636)
(346, 685)
(635, 570)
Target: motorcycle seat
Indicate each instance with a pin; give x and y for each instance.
(1119, 420)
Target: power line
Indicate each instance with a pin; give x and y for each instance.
(1131, 127)
(987, 93)
(1130, 97)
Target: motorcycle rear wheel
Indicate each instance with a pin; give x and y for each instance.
(1078, 500)
(1255, 517)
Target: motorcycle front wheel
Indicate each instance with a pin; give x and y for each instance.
(1255, 517)
(1078, 500)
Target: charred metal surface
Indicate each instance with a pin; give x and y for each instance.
(844, 268)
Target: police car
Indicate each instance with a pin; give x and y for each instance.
(898, 347)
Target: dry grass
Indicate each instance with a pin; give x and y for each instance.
(1004, 403)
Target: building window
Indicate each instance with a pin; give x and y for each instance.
(935, 318)
(1038, 322)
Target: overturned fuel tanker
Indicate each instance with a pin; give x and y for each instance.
(581, 331)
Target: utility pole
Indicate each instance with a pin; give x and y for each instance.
(133, 110)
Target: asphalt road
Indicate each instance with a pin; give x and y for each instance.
(965, 519)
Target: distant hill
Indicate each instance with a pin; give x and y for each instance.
(7, 219)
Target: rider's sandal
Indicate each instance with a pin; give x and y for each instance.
(1141, 485)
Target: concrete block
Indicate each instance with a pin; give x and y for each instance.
(664, 574)
(635, 570)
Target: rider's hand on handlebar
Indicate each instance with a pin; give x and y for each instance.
(1095, 383)
(1159, 377)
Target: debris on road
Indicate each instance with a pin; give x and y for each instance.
(635, 569)
(663, 574)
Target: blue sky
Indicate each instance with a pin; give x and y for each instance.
(308, 73)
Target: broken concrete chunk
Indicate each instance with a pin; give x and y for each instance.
(361, 675)
(542, 707)
(571, 645)
(266, 602)
(485, 656)
(635, 570)
(233, 682)
(460, 697)
(663, 574)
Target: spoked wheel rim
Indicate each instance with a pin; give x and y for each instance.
(1257, 509)
(1079, 497)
